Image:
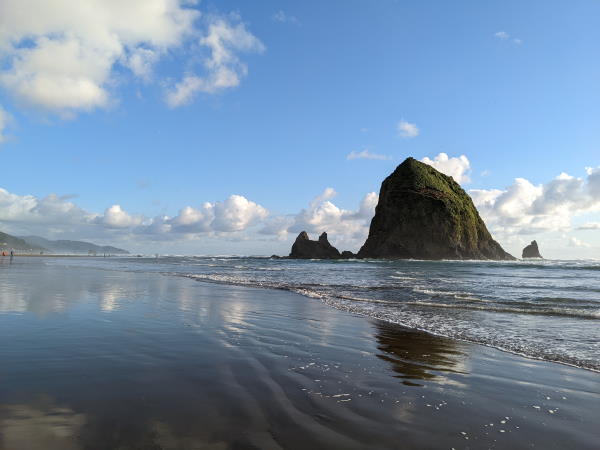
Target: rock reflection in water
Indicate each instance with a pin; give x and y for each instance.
(420, 356)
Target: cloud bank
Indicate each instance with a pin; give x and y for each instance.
(525, 208)
(235, 217)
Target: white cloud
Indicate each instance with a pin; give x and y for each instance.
(504, 36)
(366, 154)
(184, 91)
(456, 167)
(367, 206)
(58, 215)
(407, 129)
(345, 228)
(192, 220)
(4, 119)
(50, 210)
(281, 17)
(525, 208)
(116, 217)
(223, 67)
(277, 226)
(61, 56)
(141, 62)
(574, 242)
(237, 213)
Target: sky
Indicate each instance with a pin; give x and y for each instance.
(185, 127)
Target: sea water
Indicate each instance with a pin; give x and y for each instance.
(542, 309)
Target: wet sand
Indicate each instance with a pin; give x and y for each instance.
(100, 359)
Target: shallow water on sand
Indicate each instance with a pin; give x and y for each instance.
(543, 309)
(117, 359)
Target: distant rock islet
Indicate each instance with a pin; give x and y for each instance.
(532, 251)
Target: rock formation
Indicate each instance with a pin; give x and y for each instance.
(424, 214)
(532, 251)
(304, 248)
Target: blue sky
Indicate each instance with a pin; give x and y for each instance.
(511, 85)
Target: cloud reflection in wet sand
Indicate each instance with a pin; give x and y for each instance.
(42, 426)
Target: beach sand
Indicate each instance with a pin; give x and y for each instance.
(101, 359)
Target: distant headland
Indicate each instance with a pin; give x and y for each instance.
(37, 245)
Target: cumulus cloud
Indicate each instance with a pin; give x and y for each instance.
(344, 226)
(525, 208)
(116, 217)
(61, 56)
(407, 129)
(237, 213)
(58, 215)
(456, 167)
(366, 154)
(50, 210)
(223, 67)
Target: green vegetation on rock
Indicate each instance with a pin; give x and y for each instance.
(424, 214)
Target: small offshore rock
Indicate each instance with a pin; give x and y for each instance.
(532, 251)
(304, 248)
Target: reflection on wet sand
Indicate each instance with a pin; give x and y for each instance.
(40, 425)
(137, 360)
(417, 356)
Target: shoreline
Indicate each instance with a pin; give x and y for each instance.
(336, 307)
(371, 317)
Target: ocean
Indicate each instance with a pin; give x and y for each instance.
(546, 309)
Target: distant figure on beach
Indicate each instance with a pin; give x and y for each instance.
(12, 253)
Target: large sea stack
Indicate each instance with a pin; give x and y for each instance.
(532, 251)
(304, 248)
(424, 214)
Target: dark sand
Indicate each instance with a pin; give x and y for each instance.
(93, 359)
